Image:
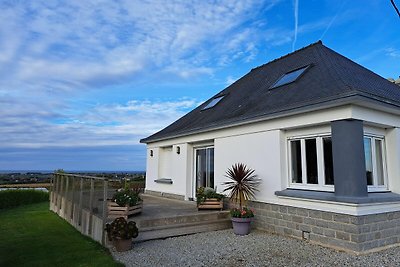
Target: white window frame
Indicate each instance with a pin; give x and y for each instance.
(194, 174)
(321, 186)
(375, 187)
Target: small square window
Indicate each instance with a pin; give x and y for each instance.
(213, 102)
(289, 77)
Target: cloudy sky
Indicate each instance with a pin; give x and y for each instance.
(82, 81)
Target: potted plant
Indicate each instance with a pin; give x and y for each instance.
(242, 187)
(121, 232)
(208, 198)
(124, 203)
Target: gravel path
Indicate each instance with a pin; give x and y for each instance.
(223, 248)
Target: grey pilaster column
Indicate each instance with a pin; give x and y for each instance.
(349, 159)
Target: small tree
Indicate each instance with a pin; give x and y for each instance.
(243, 184)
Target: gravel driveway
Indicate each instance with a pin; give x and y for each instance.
(223, 248)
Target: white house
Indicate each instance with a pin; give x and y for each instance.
(320, 131)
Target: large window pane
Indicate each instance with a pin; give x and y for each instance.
(311, 161)
(379, 162)
(210, 167)
(205, 167)
(328, 160)
(295, 147)
(368, 159)
(201, 169)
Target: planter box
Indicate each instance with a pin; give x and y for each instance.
(115, 211)
(211, 204)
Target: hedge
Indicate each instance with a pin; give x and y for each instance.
(16, 197)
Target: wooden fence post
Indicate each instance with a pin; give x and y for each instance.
(73, 200)
(104, 219)
(80, 201)
(53, 191)
(91, 206)
(60, 194)
(66, 217)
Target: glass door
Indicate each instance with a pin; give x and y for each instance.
(205, 167)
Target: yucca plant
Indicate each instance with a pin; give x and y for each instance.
(243, 184)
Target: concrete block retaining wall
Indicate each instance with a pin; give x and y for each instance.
(358, 234)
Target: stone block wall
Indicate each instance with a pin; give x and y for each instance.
(358, 234)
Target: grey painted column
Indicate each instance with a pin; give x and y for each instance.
(349, 159)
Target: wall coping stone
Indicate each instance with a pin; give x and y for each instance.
(378, 197)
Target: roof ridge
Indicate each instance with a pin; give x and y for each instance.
(356, 63)
(289, 54)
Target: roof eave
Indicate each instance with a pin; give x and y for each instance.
(345, 99)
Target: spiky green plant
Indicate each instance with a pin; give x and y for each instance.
(243, 184)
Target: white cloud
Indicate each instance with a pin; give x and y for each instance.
(82, 42)
(52, 52)
(230, 80)
(103, 125)
(392, 52)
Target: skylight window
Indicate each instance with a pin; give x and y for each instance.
(289, 77)
(213, 102)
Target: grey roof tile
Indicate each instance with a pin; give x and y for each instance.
(330, 77)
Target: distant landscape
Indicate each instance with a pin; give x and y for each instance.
(44, 177)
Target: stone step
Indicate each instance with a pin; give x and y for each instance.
(179, 229)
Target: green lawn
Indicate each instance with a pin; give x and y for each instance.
(33, 236)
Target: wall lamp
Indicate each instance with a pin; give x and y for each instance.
(178, 150)
(151, 152)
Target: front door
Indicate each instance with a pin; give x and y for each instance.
(204, 167)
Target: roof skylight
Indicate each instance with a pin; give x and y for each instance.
(213, 102)
(289, 77)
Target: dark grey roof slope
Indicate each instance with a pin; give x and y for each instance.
(330, 77)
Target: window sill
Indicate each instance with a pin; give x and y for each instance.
(163, 181)
(330, 196)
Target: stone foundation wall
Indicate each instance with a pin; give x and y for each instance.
(359, 234)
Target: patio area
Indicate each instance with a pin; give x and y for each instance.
(164, 217)
(81, 201)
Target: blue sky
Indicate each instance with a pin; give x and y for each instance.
(82, 81)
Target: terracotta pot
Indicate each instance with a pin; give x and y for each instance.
(123, 244)
(241, 226)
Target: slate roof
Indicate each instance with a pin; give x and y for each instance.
(330, 77)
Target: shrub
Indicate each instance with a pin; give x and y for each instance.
(242, 185)
(203, 193)
(16, 197)
(126, 197)
(120, 228)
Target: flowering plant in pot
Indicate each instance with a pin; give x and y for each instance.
(242, 188)
(208, 198)
(125, 202)
(242, 213)
(126, 197)
(121, 232)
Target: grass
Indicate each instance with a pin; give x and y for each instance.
(32, 235)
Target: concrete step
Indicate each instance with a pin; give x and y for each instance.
(182, 219)
(179, 229)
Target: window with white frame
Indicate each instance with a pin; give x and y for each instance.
(311, 163)
(375, 163)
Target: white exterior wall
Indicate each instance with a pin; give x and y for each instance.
(152, 168)
(393, 158)
(166, 163)
(262, 146)
(259, 151)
